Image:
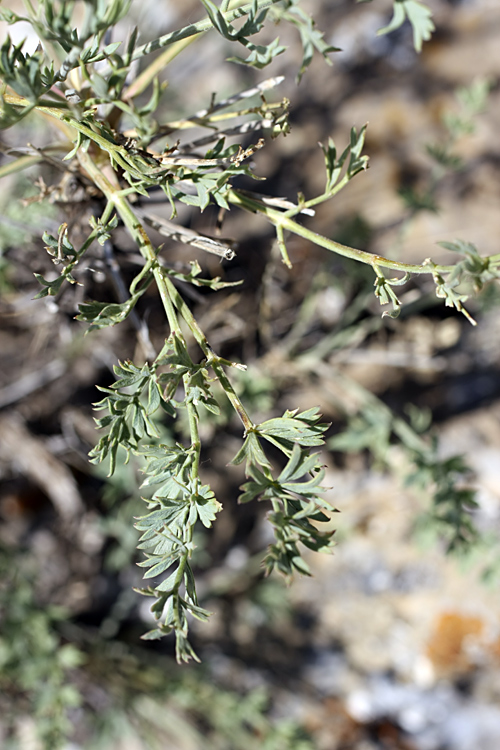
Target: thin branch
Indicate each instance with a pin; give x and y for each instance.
(122, 294)
(239, 198)
(197, 28)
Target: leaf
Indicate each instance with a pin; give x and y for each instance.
(167, 585)
(300, 565)
(175, 353)
(217, 19)
(51, 287)
(308, 488)
(260, 56)
(332, 167)
(153, 397)
(110, 49)
(206, 505)
(23, 72)
(201, 614)
(163, 462)
(259, 484)
(418, 14)
(129, 375)
(198, 390)
(104, 314)
(284, 554)
(153, 635)
(398, 18)
(159, 568)
(292, 428)
(190, 584)
(184, 652)
(300, 463)
(158, 519)
(90, 52)
(10, 115)
(251, 451)
(357, 162)
(9, 17)
(446, 289)
(311, 38)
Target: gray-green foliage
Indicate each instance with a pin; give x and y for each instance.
(417, 13)
(91, 105)
(41, 686)
(375, 427)
(471, 101)
(35, 664)
(186, 710)
(180, 499)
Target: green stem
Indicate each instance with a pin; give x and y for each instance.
(197, 28)
(106, 216)
(170, 297)
(326, 196)
(186, 313)
(194, 433)
(23, 162)
(319, 199)
(210, 119)
(52, 108)
(117, 200)
(213, 360)
(118, 153)
(231, 394)
(284, 222)
(280, 219)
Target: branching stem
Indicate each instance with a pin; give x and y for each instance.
(198, 28)
(281, 220)
(170, 297)
(212, 359)
(284, 222)
(117, 199)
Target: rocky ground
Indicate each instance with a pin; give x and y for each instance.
(392, 644)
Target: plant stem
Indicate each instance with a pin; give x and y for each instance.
(212, 359)
(118, 200)
(281, 220)
(232, 395)
(194, 433)
(209, 119)
(284, 222)
(170, 297)
(106, 216)
(197, 28)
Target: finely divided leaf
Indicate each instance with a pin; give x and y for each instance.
(251, 452)
(205, 505)
(418, 14)
(293, 428)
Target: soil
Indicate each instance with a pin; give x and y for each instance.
(392, 643)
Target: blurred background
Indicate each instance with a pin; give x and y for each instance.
(393, 643)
